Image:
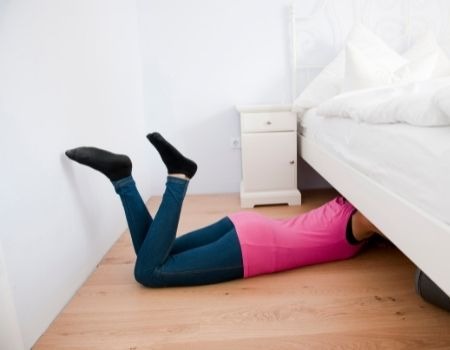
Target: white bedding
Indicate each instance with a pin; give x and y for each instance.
(425, 103)
(413, 162)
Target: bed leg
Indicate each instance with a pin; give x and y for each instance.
(430, 292)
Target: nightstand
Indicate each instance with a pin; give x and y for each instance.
(269, 155)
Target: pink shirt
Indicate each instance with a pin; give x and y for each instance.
(270, 245)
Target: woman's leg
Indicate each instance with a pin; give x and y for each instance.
(161, 234)
(139, 221)
(209, 255)
(215, 258)
(218, 261)
(156, 265)
(201, 237)
(117, 167)
(153, 239)
(138, 218)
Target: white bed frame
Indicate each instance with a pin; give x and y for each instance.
(318, 29)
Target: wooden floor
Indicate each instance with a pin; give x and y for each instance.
(364, 303)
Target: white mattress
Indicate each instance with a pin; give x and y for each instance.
(413, 162)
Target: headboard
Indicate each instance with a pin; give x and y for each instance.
(319, 29)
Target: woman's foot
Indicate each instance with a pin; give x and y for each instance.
(175, 162)
(114, 166)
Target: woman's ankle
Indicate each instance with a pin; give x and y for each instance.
(179, 176)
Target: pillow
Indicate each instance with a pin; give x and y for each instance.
(374, 47)
(426, 45)
(329, 81)
(362, 72)
(419, 69)
(324, 86)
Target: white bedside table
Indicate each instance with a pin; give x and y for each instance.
(269, 155)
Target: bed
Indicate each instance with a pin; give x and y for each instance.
(396, 174)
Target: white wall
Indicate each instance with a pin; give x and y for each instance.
(70, 74)
(10, 335)
(200, 59)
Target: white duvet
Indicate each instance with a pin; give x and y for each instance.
(425, 103)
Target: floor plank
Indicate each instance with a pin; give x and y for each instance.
(367, 302)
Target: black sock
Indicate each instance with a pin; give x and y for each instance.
(175, 162)
(114, 166)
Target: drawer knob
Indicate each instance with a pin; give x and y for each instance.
(268, 122)
(292, 162)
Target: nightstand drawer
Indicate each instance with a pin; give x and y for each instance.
(267, 122)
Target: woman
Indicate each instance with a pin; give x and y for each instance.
(241, 245)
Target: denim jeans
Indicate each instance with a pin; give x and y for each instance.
(208, 255)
